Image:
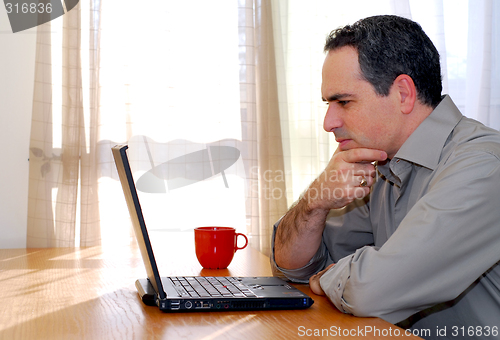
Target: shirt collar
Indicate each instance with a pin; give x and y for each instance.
(425, 144)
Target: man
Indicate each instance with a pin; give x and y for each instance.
(404, 222)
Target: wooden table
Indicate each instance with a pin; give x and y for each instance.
(89, 293)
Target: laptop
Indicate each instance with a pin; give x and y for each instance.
(197, 293)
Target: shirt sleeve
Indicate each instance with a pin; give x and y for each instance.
(448, 239)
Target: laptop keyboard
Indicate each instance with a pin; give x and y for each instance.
(211, 287)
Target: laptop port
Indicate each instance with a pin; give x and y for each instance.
(175, 305)
(188, 304)
(202, 304)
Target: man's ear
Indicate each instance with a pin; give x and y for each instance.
(407, 92)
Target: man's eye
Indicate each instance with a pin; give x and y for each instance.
(343, 102)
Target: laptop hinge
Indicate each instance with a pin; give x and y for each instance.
(146, 292)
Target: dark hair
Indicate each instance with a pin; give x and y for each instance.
(389, 46)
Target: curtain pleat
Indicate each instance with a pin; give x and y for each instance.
(59, 172)
(272, 198)
(40, 229)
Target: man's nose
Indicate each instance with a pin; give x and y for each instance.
(332, 120)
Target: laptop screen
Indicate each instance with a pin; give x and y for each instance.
(134, 207)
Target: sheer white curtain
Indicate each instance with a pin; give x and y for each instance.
(224, 94)
(468, 36)
(63, 201)
(483, 63)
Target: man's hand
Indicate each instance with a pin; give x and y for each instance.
(314, 281)
(341, 181)
(299, 233)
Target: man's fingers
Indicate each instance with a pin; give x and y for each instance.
(363, 155)
(315, 286)
(314, 281)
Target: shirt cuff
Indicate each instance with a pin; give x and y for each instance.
(333, 283)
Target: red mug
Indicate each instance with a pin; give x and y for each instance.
(215, 246)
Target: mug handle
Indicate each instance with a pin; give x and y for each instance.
(246, 241)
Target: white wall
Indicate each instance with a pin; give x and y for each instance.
(17, 65)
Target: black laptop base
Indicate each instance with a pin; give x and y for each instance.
(200, 304)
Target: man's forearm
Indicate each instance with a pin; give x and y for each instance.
(298, 235)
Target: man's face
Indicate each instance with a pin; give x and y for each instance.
(357, 115)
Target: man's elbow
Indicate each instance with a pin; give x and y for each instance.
(368, 305)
